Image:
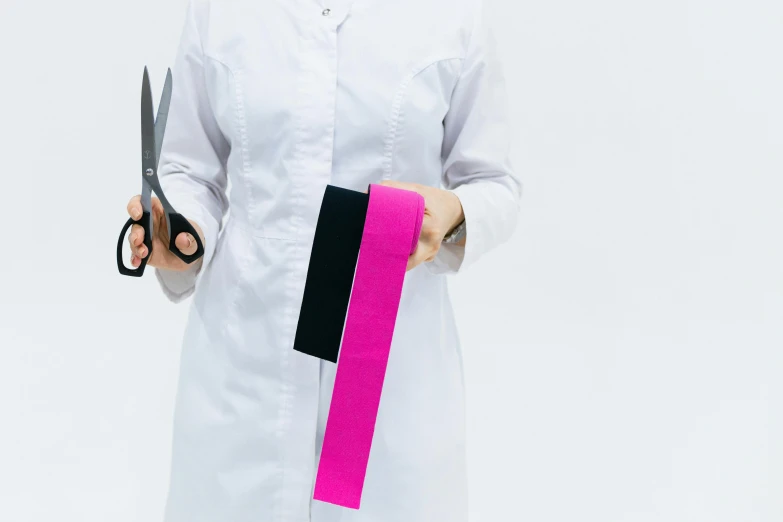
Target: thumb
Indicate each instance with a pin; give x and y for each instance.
(186, 244)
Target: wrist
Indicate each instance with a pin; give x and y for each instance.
(457, 215)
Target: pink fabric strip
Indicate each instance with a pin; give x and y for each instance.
(391, 233)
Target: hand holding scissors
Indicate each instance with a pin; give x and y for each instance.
(179, 243)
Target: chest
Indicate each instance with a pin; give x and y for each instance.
(374, 77)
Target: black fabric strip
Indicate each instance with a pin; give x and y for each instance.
(338, 236)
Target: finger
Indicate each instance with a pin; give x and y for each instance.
(390, 183)
(134, 207)
(160, 222)
(135, 261)
(186, 244)
(136, 236)
(412, 187)
(418, 257)
(136, 241)
(157, 207)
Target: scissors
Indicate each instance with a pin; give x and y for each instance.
(152, 131)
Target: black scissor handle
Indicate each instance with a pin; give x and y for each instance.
(178, 225)
(144, 222)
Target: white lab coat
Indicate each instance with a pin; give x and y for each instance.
(273, 100)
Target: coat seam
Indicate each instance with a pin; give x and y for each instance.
(397, 113)
(244, 147)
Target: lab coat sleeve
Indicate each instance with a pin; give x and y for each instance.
(192, 166)
(476, 164)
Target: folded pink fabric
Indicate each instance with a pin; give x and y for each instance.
(391, 233)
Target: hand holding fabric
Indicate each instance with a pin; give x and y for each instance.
(442, 213)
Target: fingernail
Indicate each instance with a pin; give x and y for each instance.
(190, 241)
(142, 252)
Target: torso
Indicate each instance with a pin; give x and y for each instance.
(305, 100)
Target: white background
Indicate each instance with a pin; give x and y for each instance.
(623, 351)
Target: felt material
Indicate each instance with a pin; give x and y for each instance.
(338, 235)
(391, 232)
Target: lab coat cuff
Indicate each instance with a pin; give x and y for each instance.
(452, 258)
(178, 286)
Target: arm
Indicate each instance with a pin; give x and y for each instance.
(476, 165)
(192, 165)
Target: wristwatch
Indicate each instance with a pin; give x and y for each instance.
(456, 235)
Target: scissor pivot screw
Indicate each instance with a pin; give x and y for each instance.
(149, 172)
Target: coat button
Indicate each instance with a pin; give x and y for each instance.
(326, 12)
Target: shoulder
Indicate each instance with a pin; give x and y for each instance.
(457, 18)
(202, 9)
(205, 14)
(466, 15)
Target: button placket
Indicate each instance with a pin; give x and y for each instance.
(319, 88)
(312, 170)
(330, 99)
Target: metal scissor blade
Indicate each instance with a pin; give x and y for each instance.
(149, 162)
(163, 115)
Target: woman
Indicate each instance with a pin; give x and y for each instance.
(273, 100)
